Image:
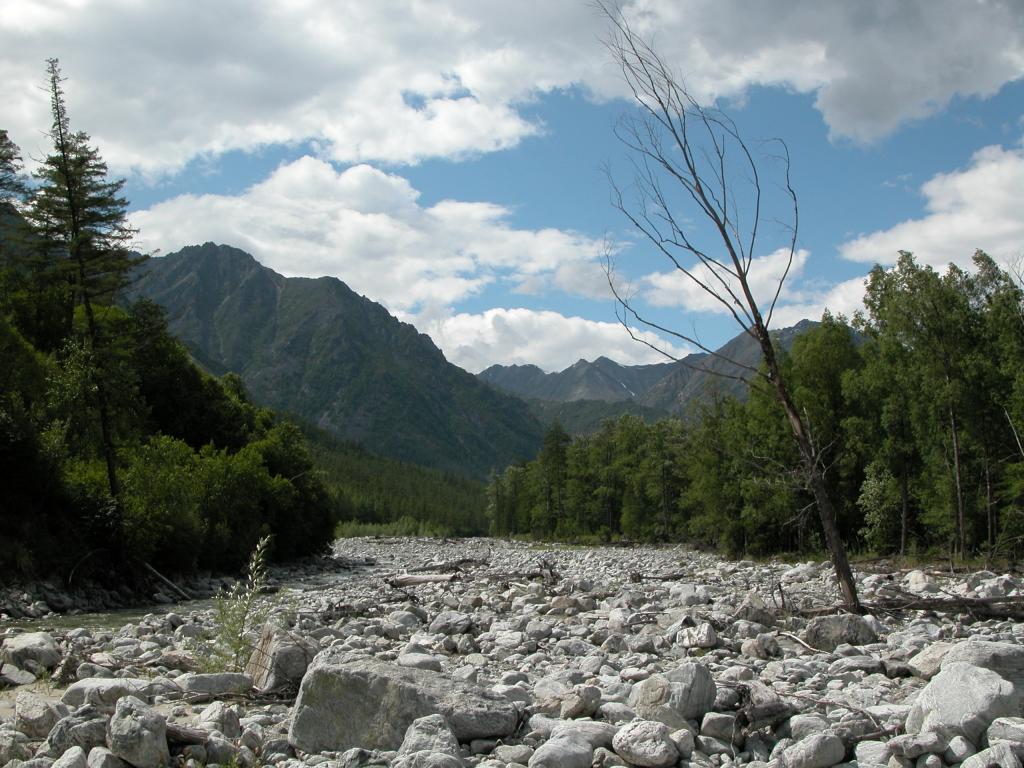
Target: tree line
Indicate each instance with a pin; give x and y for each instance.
(114, 447)
(915, 409)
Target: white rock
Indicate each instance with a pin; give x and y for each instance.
(137, 734)
(39, 647)
(685, 693)
(819, 750)
(72, 758)
(962, 700)
(430, 734)
(646, 743)
(928, 661)
(1000, 755)
(1009, 730)
(562, 752)
(35, 716)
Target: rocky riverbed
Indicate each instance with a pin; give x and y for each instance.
(439, 654)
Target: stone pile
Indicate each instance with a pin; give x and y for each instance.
(536, 657)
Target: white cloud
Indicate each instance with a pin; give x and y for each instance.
(843, 298)
(674, 289)
(160, 82)
(544, 338)
(977, 207)
(366, 227)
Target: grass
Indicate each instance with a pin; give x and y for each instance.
(238, 615)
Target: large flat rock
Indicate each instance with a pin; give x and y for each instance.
(346, 703)
(962, 700)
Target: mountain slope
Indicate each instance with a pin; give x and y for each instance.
(602, 379)
(337, 359)
(660, 387)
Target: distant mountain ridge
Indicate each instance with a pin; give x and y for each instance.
(661, 387)
(317, 349)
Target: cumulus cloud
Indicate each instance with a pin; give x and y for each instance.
(976, 207)
(843, 298)
(544, 338)
(367, 227)
(396, 81)
(675, 289)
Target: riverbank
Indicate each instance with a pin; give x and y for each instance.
(493, 654)
(148, 591)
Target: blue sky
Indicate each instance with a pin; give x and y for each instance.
(446, 158)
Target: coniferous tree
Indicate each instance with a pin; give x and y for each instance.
(80, 221)
(12, 180)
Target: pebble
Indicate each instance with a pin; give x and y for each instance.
(605, 663)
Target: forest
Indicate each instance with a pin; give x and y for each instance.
(916, 406)
(117, 449)
(114, 447)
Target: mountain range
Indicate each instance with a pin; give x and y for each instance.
(668, 387)
(315, 348)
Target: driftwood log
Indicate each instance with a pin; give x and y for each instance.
(449, 565)
(412, 579)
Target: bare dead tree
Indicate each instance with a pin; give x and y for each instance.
(686, 156)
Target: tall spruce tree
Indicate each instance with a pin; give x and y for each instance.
(80, 220)
(12, 180)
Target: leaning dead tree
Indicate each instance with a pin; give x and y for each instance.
(689, 158)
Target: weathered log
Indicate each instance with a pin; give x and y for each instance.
(181, 592)
(987, 607)
(449, 565)
(412, 579)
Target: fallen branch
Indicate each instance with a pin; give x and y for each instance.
(989, 607)
(449, 565)
(791, 636)
(167, 581)
(412, 579)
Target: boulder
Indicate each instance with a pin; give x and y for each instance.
(219, 716)
(11, 675)
(829, 632)
(1005, 659)
(361, 702)
(818, 750)
(646, 743)
(998, 756)
(451, 623)
(35, 716)
(72, 758)
(1008, 730)
(928, 661)
(872, 753)
(103, 692)
(85, 728)
(593, 733)
(685, 693)
(563, 751)
(137, 734)
(13, 746)
(204, 687)
(280, 659)
(430, 736)
(962, 700)
(101, 757)
(38, 647)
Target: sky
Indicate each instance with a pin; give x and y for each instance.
(451, 158)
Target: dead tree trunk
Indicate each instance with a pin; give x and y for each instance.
(698, 152)
(811, 459)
